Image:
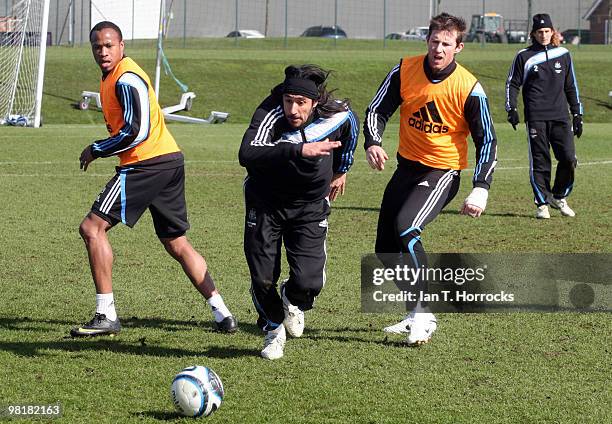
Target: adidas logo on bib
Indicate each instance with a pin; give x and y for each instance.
(428, 119)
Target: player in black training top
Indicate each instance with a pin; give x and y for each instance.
(297, 151)
(547, 75)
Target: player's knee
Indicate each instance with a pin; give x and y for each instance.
(566, 164)
(410, 238)
(175, 246)
(308, 281)
(566, 157)
(261, 282)
(304, 290)
(83, 231)
(89, 230)
(170, 247)
(569, 162)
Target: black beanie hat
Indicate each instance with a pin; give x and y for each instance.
(541, 20)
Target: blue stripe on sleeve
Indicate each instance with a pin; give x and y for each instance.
(128, 115)
(347, 156)
(485, 149)
(577, 91)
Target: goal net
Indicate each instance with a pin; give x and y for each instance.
(23, 39)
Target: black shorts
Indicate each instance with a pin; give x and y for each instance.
(414, 197)
(134, 189)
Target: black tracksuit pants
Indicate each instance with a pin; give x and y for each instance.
(303, 229)
(543, 135)
(414, 197)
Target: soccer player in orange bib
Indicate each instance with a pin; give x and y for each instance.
(150, 176)
(441, 103)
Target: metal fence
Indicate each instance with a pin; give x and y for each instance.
(70, 20)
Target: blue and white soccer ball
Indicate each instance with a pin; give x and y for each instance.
(17, 120)
(197, 391)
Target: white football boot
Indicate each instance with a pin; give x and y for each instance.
(274, 343)
(563, 207)
(294, 316)
(402, 327)
(542, 212)
(422, 328)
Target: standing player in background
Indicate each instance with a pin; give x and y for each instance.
(297, 151)
(440, 103)
(150, 175)
(546, 73)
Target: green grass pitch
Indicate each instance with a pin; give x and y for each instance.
(479, 368)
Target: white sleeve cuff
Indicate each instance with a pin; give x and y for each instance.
(478, 197)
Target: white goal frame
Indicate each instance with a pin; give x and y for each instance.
(10, 116)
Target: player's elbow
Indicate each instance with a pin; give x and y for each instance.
(243, 157)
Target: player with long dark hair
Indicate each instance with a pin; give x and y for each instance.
(297, 151)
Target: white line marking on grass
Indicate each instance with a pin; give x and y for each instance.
(56, 175)
(35, 163)
(110, 174)
(213, 161)
(510, 168)
(234, 174)
(76, 162)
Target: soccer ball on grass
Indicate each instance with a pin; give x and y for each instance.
(197, 391)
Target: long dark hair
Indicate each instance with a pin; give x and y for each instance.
(327, 105)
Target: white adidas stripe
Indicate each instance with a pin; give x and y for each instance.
(437, 194)
(382, 91)
(263, 122)
(111, 196)
(433, 198)
(266, 125)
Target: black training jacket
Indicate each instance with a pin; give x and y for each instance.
(549, 83)
(271, 151)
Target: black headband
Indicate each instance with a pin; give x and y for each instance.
(301, 86)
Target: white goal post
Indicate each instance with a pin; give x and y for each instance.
(23, 42)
